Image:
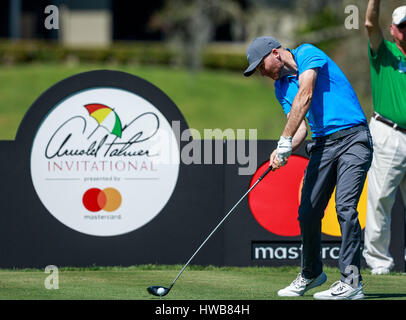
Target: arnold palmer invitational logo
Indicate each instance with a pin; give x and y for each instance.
(104, 161)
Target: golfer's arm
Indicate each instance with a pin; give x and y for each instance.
(301, 104)
(299, 136)
(372, 25)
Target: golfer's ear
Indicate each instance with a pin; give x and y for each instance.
(275, 52)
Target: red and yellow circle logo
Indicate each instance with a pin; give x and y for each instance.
(275, 201)
(108, 199)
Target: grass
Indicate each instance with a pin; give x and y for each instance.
(207, 99)
(196, 283)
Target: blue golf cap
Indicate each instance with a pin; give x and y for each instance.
(257, 50)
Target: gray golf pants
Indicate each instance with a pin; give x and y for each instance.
(340, 160)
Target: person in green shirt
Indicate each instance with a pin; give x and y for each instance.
(388, 129)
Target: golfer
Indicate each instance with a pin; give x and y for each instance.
(388, 129)
(308, 84)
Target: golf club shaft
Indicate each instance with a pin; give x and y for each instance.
(214, 230)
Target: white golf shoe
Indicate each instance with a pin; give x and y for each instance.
(300, 285)
(340, 290)
(380, 271)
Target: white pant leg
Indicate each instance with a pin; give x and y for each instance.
(402, 188)
(385, 175)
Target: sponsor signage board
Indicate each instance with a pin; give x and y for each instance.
(291, 251)
(114, 155)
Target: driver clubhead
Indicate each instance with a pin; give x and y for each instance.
(158, 291)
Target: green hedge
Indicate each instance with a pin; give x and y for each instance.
(22, 52)
(121, 53)
(228, 61)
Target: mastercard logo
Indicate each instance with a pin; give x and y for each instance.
(108, 199)
(274, 203)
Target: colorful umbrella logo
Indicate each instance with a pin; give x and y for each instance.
(106, 117)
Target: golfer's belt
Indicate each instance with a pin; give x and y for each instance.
(343, 133)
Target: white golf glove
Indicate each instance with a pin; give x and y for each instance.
(284, 149)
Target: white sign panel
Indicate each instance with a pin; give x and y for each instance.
(104, 161)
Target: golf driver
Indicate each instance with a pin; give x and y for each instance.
(160, 291)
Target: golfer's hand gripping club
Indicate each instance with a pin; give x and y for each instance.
(284, 149)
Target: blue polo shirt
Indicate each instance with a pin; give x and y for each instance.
(334, 106)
